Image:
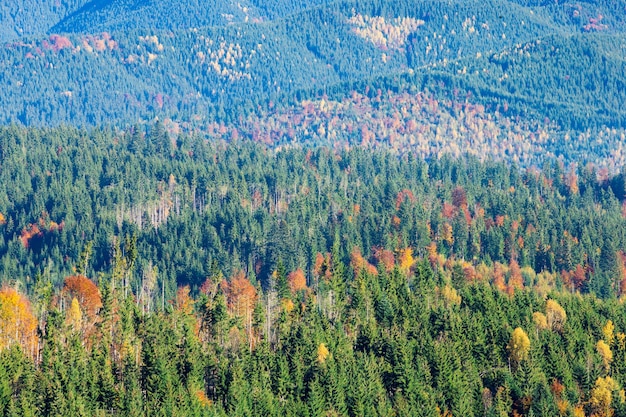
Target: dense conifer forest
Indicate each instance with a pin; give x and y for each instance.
(145, 274)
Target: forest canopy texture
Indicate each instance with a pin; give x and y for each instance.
(313, 208)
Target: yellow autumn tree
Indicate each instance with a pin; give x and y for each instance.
(18, 325)
(74, 316)
(446, 234)
(608, 332)
(602, 396)
(450, 296)
(287, 305)
(540, 320)
(322, 353)
(406, 259)
(555, 315)
(519, 345)
(605, 353)
(297, 281)
(578, 411)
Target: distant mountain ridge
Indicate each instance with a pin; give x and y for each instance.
(116, 15)
(19, 18)
(121, 62)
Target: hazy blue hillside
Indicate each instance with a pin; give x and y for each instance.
(33, 17)
(127, 62)
(256, 62)
(120, 15)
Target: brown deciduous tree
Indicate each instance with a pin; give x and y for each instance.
(385, 257)
(459, 197)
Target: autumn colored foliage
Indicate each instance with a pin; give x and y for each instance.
(58, 42)
(321, 268)
(359, 263)
(297, 281)
(240, 294)
(30, 233)
(555, 314)
(605, 353)
(385, 258)
(322, 353)
(575, 279)
(18, 325)
(406, 259)
(36, 231)
(459, 197)
(85, 291)
(402, 196)
(74, 316)
(183, 302)
(516, 281)
(519, 345)
(447, 210)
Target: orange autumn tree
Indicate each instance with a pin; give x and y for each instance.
(498, 277)
(579, 276)
(574, 279)
(321, 269)
(183, 302)
(621, 257)
(516, 280)
(433, 257)
(85, 291)
(30, 233)
(297, 281)
(240, 295)
(402, 196)
(18, 325)
(359, 263)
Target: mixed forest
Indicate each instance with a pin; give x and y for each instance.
(523, 77)
(313, 208)
(146, 274)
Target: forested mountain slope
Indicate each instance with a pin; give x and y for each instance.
(313, 208)
(144, 274)
(121, 15)
(20, 18)
(191, 205)
(533, 63)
